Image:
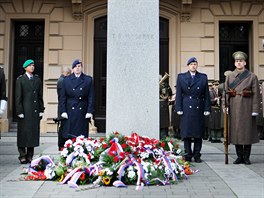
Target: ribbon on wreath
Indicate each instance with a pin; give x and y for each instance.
(167, 163)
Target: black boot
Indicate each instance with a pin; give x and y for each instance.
(239, 152)
(247, 151)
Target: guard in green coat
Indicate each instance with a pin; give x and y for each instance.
(29, 109)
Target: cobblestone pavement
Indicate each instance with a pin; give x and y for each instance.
(214, 179)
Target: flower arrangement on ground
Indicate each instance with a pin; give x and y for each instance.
(116, 160)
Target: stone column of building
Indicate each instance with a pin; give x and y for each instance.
(133, 67)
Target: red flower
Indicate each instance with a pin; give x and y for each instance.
(116, 133)
(105, 146)
(122, 155)
(139, 160)
(73, 139)
(116, 159)
(89, 156)
(124, 146)
(162, 144)
(102, 139)
(82, 177)
(111, 153)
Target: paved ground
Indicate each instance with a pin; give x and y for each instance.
(214, 179)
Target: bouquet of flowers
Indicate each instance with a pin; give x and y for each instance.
(115, 160)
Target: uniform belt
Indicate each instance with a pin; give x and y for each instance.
(242, 93)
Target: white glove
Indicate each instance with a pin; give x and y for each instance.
(3, 105)
(180, 112)
(41, 114)
(21, 115)
(64, 115)
(254, 114)
(225, 110)
(206, 113)
(88, 115)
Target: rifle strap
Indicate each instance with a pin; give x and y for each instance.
(239, 79)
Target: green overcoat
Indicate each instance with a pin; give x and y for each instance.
(29, 101)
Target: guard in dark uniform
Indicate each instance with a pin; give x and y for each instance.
(165, 94)
(215, 123)
(29, 109)
(192, 104)
(76, 102)
(3, 98)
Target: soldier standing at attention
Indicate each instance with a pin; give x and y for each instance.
(76, 102)
(193, 104)
(30, 109)
(215, 121)
(244, 103)
(65, 72)
(165, 95)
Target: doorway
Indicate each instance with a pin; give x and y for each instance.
(233, 36)
(28, 44)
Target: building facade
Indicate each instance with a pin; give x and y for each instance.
(55, 32)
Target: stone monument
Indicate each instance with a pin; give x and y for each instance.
(133, 67)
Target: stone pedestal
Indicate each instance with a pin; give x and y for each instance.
(133, 67)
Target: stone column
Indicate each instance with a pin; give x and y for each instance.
(133, 67)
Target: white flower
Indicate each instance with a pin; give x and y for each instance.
(144, 155)
(89, 148)
(148, 146)
(64, 152)
(68, 142)
(178, 151)
(49, 171)
(108, 171)
(78, 150)
(131, 174)
(130, 168)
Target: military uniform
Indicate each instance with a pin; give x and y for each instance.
(165, 93)
(243, 100)
(29, 103)
(77, 99)
(215, 123)
(193, 103)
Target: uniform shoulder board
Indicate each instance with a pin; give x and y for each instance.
(19, 76)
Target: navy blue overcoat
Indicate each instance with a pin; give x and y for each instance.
(192, 98)
(77, 99)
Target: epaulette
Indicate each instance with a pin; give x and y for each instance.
(19, 76)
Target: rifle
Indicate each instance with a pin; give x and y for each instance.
(225, 128)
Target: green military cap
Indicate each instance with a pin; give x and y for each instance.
(27, 63)
(239, 55)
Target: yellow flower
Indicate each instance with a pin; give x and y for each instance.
(101, 173)
(106, 180)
